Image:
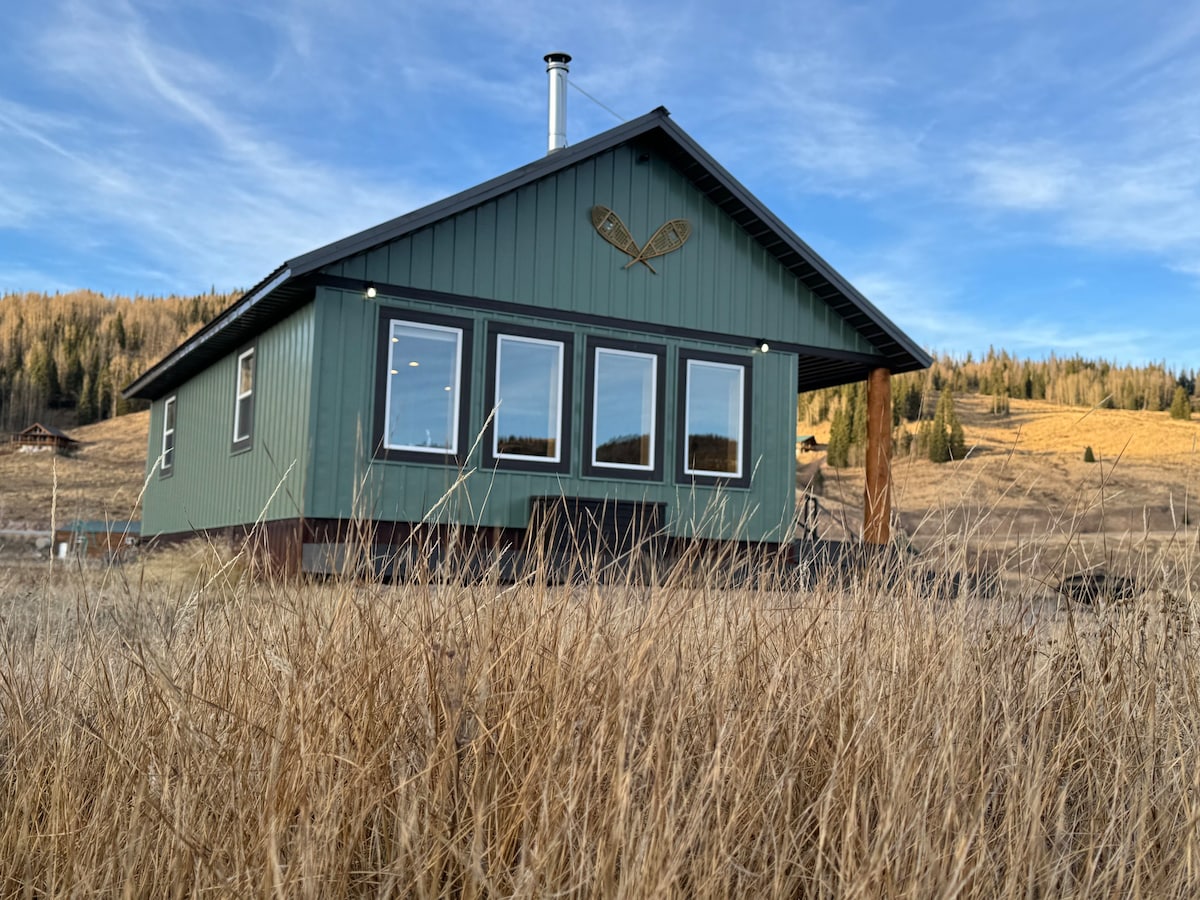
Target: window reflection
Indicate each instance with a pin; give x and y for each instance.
(423, 388)
(714, 418)
(623, 409)
(528, 422)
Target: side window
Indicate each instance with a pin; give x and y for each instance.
(714, 419)
(624, 410)
(167, 466)
(421, 387)
(529, 397)
(243, 402)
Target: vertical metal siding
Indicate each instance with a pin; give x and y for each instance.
(211, 487)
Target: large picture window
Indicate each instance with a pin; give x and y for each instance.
(167, 466)
(622, 424)
(714, 419)
(243, 401)
(422, 388)
(421, 395)
(529, 373)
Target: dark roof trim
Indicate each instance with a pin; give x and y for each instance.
(288, 286)
(796, 244)
(214, 327)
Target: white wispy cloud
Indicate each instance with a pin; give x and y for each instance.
(224, 197)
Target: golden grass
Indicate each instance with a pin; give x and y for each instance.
(177, 728)
(1024, 485)
(103, 479)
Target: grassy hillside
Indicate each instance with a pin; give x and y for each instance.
(1024, 486)
(103, 479)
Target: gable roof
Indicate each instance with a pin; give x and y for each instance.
(291, 284)
(37, 429)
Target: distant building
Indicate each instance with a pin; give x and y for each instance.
(806, 442)
(45, 437)
(97, 538)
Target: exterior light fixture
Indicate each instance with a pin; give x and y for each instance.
(413, 363)
(371, 292)
(763, 346)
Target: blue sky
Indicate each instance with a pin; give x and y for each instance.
(1022, 174)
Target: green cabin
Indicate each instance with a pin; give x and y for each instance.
(619, 330)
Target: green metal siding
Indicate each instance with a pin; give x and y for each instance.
(537, 246)
(212, 487)
(344, 481)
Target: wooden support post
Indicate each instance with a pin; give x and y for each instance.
(877, 507)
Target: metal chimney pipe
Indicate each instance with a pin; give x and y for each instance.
(556, 66)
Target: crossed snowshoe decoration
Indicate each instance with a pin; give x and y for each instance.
(668, 237)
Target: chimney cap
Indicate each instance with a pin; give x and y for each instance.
(557, 57)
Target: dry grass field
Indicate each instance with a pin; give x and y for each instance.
(181, 725)
(103, 479)
(1024, 498)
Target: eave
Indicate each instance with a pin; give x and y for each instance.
(290, 285)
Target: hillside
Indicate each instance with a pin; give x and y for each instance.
(103, 479)
(1024, 489)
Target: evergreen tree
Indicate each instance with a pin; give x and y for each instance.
(957, 440)
(838, 452)
(938, 446)
(1088, 455)
(1181, 406)
(912, 401)
(858, 423)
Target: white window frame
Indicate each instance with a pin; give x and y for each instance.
(653, 357)
(389, 362)
(170, 406)
(501, 337)
(240, 395)
(687, 421)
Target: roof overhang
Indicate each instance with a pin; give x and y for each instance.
(291, 285)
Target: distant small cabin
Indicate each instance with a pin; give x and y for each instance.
(806, 442)
(97, 538)
(45, 437)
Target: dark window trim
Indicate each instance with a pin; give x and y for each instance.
(165, 469)
(566, 409)
(243, 444)
(388, 315)
(621, 473)
(681, 475)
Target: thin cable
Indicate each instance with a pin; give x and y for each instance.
(609, 109)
